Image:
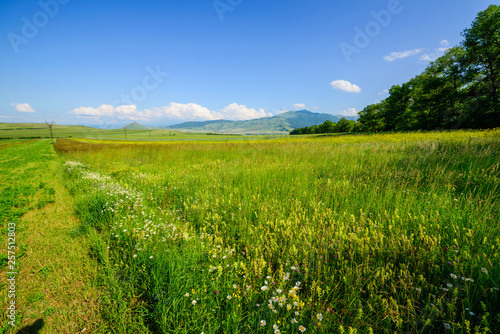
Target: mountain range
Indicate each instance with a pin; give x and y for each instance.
(279, 124)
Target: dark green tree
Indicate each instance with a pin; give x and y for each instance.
(482, 46)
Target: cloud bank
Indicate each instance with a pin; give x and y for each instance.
(173, 111)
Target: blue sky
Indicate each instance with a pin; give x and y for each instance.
(107, 63)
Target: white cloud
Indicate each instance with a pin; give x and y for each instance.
(126, 112)
(346, 86)
(383, 92)
(23, 107)
(402, 54)
(240, 112)
(438, 52)
(236, 111)
(428, 57)
(299, 106)
(187, 111)
(349, 112)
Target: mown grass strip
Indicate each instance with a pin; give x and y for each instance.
(54, 290)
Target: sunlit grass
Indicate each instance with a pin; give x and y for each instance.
(381, 233)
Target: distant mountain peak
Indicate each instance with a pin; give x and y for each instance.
(135, 126)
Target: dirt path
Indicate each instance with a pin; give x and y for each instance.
(54, 290)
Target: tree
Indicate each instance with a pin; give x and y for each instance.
(327, 127)
(50, 128)
(482, 45)
(396, 108)
(371, 118)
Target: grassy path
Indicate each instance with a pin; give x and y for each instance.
(53, 287)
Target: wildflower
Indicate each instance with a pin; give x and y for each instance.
(193, 302)
(289, 307)
(229, 297)
(151, 257)
(134, 256)
(278, 291)
(294, 321)
(472, 313)
(449, 285)
(235, 286)
(297, 313)
(186, 294)
(293, 268)
(249, 287)
(453, 276)
(418, 289)
(302, 329)
(277, 331)
(447, 325)
(484, 270)
(319, 316)
(275, 327)
(262, 322)
(264, 288)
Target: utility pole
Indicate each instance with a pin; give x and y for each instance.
(50, 128)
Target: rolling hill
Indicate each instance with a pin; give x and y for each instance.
(135, 126)
(279, 124)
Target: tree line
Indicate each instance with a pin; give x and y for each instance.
(343, 125)
(458, 90)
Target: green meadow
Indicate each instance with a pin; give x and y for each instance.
(19, 131)
(386, 233)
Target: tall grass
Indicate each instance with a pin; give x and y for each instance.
(383, 233)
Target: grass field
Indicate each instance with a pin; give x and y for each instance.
(394, 233)
(15, 131)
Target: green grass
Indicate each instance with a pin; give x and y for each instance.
(11, 132)
(385, 233)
